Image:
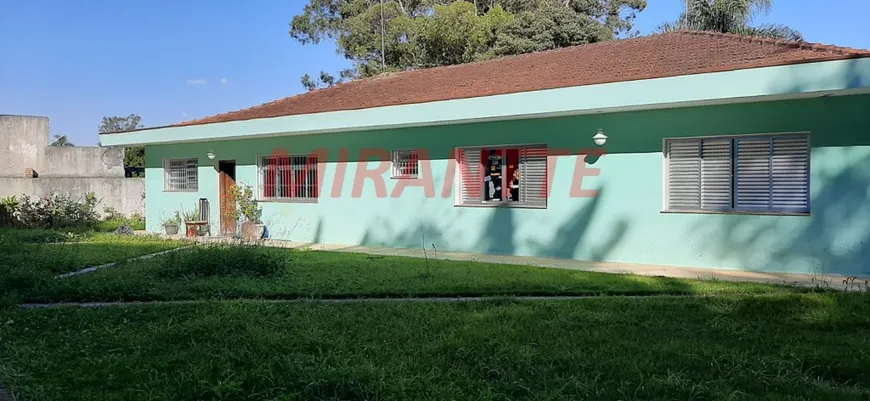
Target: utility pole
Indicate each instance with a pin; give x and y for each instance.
(383, 45)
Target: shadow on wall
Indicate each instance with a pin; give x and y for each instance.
(570, 239)
(835, 239)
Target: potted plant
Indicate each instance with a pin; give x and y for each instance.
(170, 224)
(191, 221)
(249, 209)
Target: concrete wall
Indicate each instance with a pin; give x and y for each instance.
(623, 223)
(123, 194)
(74, 171)
(22, 140)
(76, 161)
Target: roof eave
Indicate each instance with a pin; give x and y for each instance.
(837, 77)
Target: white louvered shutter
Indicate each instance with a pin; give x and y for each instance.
(753, 173)
(684, 174)
(790, 174)
(470, 179)
(716, 174)
(533, 176)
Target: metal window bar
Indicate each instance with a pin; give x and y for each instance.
(288, 178)
(180, 175)
(406, 164)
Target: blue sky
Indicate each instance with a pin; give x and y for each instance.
(170, 61)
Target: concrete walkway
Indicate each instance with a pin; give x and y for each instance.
(483, 298)
(808, 280)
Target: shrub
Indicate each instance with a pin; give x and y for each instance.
(222, 261)
(246, 204)
(58, 211)
(110, 213)
(8, 210)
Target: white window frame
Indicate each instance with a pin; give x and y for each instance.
(181, 175)
(307, 191)
(540, 203)
(404, 159)
(734, 208)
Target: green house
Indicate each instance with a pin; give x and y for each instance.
(683, 149)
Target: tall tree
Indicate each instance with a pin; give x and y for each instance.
(61, 141)
(133, 156)
(396, 35)
(730, 16)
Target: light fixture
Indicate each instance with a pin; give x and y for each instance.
(210, 155)
(600, 139)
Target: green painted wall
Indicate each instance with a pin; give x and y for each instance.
(622, 224)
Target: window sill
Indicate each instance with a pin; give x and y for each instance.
(287, 200)
(500, 205)
(405, 177)
(182, 190)
(741, 212)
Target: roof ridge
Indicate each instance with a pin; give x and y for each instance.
(795, 44)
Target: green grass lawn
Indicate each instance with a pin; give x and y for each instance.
(30, 258)
(777, 347)
(222, 272)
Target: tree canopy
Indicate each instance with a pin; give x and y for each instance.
(133, 156)
(61, 141)
(398, 35)
(730, 16)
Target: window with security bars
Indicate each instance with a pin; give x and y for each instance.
(406, 164)
(290, 178)
(764, 173)
(502, 176)
(180, 175)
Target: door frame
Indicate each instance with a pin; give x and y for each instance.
(221, 192)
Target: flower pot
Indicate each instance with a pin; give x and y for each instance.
(253, 231)
(190, 230)
(202, 230)
(170, 229)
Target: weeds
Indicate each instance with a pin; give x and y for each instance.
(852, 284)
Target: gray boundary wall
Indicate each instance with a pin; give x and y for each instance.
(73, 171)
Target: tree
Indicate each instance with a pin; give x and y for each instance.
(730, 16)
(549, 28)
(61, 141)
(397, 35)
(133, 156)
(325, 81)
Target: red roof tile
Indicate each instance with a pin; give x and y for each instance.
(656, 56)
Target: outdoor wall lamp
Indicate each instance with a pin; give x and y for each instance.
(600, 139)
(210, 155)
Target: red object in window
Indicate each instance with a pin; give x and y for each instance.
(511, 164)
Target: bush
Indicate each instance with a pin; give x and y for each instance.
(57, 211)
(222, 261)
(8, 210)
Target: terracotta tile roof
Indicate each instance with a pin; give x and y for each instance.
(656, 56)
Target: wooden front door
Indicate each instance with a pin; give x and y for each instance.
(227, 179)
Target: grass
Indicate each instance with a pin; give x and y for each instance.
(777, 347)
(29, 259)
(113, 224)
(222, 272)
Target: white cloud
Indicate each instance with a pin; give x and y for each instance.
(184, 114)
(197, 81)
(224, 81)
